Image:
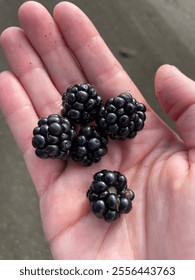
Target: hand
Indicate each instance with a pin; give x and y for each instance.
(46, 56)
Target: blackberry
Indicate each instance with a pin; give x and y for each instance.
(122, 117)
(109, 196)
(81, 103)
(89, 146)
(53, 137)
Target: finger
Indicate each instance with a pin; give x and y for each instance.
(27, 66)
(176, 94)
(100, 66)
(43, 33)
(21, 118)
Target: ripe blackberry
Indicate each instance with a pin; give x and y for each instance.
(109, 196)
(53, 137)
(81, 103)
(89, 146)
(122, 117)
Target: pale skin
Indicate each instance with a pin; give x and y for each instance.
(46, 55)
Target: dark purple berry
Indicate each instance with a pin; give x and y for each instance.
(53, 119)
(92, 196)
(52, 140)
(94, 144)
(109, 196)
(125, 205)
(111, 216)
(38, 141)
(81, 103)
(98, 207)
(110, 178)
(53, 137)
(89, 146)
(52, 151)
(42, 121)
(99, 186)
(111, 202)
(44, 130)
(55, 129)
(122, 117)
(121, 182)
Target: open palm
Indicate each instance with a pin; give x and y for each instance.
(46, 56)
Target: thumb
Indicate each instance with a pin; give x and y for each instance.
(176, 94)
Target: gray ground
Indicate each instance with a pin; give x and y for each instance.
(143, 34)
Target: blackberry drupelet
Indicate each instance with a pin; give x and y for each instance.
(89, 146)
(81, 103)
(53, 137)
(122, 117)
(109, 196)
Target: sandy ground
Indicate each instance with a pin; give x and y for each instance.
(143, 34)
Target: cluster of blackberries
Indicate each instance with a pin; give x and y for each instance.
(55, 136)
(89, 145)
(71, 134)
(81, 103)
(122, 117)
(109, 196)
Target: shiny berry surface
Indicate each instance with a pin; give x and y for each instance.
(121, 117)
(53, 137)
(89, 146)
(81, 103)
(109, 195)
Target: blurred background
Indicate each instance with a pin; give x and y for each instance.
(142, 34)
